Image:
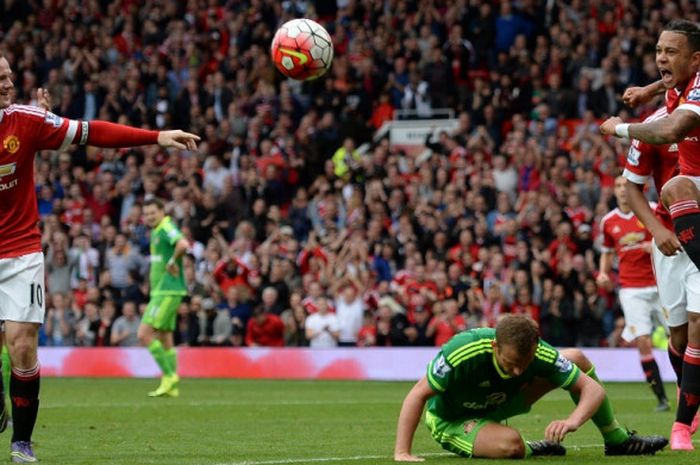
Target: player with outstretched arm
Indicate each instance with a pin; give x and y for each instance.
(24, 130)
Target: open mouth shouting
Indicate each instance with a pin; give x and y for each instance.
(666, 77)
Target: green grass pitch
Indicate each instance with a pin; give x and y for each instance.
(236, 422)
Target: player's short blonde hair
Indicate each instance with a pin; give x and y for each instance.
(519, 331)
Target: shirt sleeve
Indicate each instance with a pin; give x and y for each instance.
(691, 102)
(608, 244)
(51, 132)
(639, 163)
(333, 323)
(554, 367)
(172, 233)
(439, 373)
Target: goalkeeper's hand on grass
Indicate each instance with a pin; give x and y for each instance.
(558, 429)
(406, 457)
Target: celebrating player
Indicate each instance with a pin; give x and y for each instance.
(623, 234)
(25, 130)
(168, 246)
(678, 61)
(678, 279)
(484, 376)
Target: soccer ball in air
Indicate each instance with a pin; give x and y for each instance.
(302, 49)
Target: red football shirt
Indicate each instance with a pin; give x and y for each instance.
(689, 148)
(625, 235)
(658, 161)
(24, 130)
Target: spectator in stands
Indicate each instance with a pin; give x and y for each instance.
(295, 322)
(589, 307)
(515, 75)
(187, 329)
(322, 327)
(85, 331)
(349, 309)
(60, 321)
(417, 332)
(102, 327)
(558, 318)
(122, 259)
(215, 325)
(58, 271)
(265, 329)
(125, 327)
(446, 322)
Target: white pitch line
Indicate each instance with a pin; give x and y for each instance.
(267, 403)
(158, 403)
(374, 457)
(327, 459)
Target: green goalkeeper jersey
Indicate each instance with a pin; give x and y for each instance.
(163, 240)
(471, 384)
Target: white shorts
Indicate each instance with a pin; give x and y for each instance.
(642, 310)
(678, 280)
(22, 288)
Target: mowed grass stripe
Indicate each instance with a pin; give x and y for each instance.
(232, 422)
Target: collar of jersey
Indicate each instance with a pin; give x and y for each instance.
(162, 223)
(499, 370)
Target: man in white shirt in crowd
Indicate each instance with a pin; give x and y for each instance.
(322, 329)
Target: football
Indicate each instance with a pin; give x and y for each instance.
(302, 49)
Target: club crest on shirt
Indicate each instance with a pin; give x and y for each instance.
(11, 144)
(694, 95)
(53, 119)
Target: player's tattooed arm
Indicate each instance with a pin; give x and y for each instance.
(667, 130)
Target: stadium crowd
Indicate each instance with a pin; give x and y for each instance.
(298, 238)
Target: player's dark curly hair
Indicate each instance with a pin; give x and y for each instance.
(688, 28)
(518, 331)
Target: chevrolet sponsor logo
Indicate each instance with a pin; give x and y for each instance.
(6, 170)
(9, 185)
(632, 238)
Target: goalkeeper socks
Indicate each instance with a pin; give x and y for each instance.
(158, 352)
(171, 354)
(686, 215)
(676, 359)
(689, 397)
(604, 417)
(651, 372)
(24, 393)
